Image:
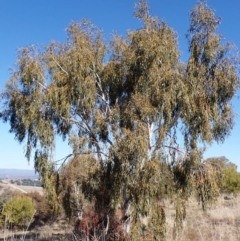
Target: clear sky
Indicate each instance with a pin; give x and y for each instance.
(24, 23)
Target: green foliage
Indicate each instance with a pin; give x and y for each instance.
(50, 182)
(231, 181)
(79, 180)
(7, 194)
(123, 118)
(18, 211)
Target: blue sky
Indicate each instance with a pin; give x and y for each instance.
(24, 23)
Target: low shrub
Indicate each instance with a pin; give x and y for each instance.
(18, 211)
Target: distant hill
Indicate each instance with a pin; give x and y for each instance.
(18, 173)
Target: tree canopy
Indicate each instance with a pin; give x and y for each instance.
(122, 107)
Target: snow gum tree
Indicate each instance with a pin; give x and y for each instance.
(123, 118)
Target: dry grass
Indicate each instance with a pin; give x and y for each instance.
(59, 230)
(6, 184)
(221, 222)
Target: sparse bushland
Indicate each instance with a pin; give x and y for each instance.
(26, 182)
(122, 106)
(16, 201)
(220, 222)
(42, 225)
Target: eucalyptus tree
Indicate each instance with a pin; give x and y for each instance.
(123, 106)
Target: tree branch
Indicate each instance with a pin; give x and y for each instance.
(64, 159)
(60, 66)
(174, 148)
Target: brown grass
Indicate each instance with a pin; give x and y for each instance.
(221, 222)
(51, 231)
(6, 184)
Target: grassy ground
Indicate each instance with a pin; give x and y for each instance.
(60, 230)
(221, 222)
